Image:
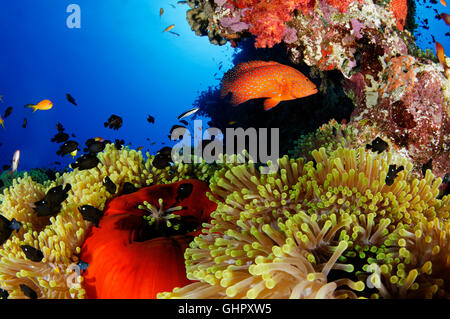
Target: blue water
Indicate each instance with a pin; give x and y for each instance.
(437, 28)
(119, 62)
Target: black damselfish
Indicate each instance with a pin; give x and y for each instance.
(28, 292)
(392, 174)
(3, 294)
(162, 159)
(128, 188)
(67, 148)
(114, 122)
(71, 99)
(50, 205)
(8, 112)
(94, 146)
(86, 161)
(378, 145)
(427, 166)
(110, 186)
(32, 253)
(60, 137)
(91, 214)
(184, 191)
(7, 227)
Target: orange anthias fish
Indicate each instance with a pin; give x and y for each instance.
(43, 105)
(258, 79)
(161, 12)
(400, 10)
(441, 56)
(170, 27)
(446, 18)
(443, 3)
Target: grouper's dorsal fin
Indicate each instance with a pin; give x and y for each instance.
(245, 66)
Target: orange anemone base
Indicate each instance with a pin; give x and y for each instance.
(127, 258)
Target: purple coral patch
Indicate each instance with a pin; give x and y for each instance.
(220, 2)
(234, 23)
(357, 26)
(290, 35)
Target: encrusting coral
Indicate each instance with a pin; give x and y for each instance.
(330, 230)
(60, 237)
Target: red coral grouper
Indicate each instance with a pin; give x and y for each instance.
(258, 79)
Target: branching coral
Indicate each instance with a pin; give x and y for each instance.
(315, 231)
(268, 20)
(408, 104)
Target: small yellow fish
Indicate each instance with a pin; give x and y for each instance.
(170, 27)
(232, 122)
(161, 12)
(43, 106)
(2, 122)
(74, 153)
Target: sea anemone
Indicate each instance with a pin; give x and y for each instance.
(59, 238)
(327, 230)
(137, 249)
(329, 136)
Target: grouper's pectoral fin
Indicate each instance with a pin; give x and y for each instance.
(271, 102)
